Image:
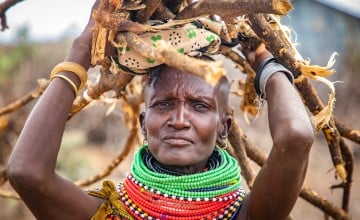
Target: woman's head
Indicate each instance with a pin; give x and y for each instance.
(184, 117)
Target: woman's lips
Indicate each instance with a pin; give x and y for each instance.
(177, 140)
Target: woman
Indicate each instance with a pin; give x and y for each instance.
(184, 119)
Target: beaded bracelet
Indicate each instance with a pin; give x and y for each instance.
(72, 67)
(71, 83)
(266, 69)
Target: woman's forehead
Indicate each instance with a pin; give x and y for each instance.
(176, 81)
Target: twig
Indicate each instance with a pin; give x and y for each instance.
(349, 165)
(118, 159)
(346, 132)
(107, 82)
(236, 138)
(3, 8)
(249, 101)
(43, 83)
(326, 206)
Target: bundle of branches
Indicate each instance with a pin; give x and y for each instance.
(244, 26)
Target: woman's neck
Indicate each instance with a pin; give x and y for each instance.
(198, 168)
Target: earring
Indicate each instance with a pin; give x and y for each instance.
(223, 144)
(145, 143)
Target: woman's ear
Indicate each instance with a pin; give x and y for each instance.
(142, 123)
(224, 130)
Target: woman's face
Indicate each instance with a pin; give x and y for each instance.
(182, 119)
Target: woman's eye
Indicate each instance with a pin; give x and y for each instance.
(200, 106)
(163, 104)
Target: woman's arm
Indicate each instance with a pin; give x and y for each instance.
(279, 182)
(31, 168)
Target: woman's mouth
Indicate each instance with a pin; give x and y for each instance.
(177, 140)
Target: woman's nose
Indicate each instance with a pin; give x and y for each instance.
(179, 117)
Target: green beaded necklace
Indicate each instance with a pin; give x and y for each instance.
(219, 181)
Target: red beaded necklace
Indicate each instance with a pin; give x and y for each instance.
(147, 205)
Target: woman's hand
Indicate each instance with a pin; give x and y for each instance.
(80, 51)
(256, 57)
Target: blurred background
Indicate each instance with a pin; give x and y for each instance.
(40, 34)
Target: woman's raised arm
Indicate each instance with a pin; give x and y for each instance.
(279, 182)
(31, 168)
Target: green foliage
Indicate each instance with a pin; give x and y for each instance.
(12, 55)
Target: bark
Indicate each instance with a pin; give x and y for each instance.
(347, 132)
(163, 13)
(235, 8)
(236, 138)
(325, 205)
(145, 14)
(108, 81)
(349, 165)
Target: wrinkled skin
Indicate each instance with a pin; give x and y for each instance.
(184, 117)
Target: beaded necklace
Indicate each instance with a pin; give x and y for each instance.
(150, 161)
(214, 194)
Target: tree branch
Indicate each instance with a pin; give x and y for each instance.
(277, 43)
(346, 132)
(236, 8)
(3, 8)
(43, 83)
(130, 142)
(236, 138)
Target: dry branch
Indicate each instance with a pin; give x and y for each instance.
(3, 8)
(249, 101)
(346, 132)
(236, 138)
(326, 206)
(277, 43)
(349, 165)
(43, 83)
(259, 157)
(108, 81)
(145, 14)
(110, 22)
(225, 8)
(210, 71)
(130, 142)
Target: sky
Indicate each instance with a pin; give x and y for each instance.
(47, 19)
